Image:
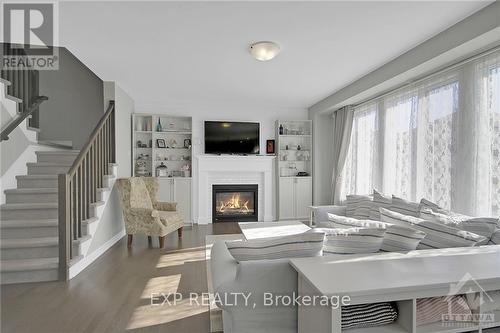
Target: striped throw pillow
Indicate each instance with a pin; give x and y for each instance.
(358, 206)
(405, 207)
(368, 315)
(438, 235)
(495, 238)
(484, 226)
(379, 201)
(431, 310)
(424, 203)
(308, 244)
(397, 238)
(352, 240)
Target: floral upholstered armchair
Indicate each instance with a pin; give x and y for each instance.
(143, 214)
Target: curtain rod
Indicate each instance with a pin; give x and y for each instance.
(441, 71)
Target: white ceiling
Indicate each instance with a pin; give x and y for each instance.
(167, 53)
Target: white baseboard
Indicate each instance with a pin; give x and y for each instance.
(86, 261)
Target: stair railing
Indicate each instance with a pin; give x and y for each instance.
(78, 188)
(24, 85)
(4, 135)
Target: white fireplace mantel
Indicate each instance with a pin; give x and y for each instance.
(228, 169)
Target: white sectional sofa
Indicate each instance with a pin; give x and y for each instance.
(259, 277)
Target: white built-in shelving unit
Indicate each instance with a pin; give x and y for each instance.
(294, 168)
(159, 139)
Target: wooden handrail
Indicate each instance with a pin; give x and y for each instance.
(20, 118)
(86, 147)
(78, 188)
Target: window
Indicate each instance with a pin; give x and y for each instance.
(438, 139)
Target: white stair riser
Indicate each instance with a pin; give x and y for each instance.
(28, 232)
(29, 214)
(56, 158)
(36, 183)
(47, 170)
(31, 197)
(29, 276)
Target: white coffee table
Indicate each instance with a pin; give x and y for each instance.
(256, 230)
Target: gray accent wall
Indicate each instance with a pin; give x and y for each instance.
(75, 101)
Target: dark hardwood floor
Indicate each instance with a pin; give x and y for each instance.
(114, 293)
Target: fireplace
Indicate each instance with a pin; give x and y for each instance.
(234, 203)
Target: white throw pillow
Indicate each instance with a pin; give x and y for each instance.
(307, 244)
(397, 238)
(358, 206)
(405, 207)
(352, 240)
(438, 235)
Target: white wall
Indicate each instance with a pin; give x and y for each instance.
(265, 115)
(124, 107)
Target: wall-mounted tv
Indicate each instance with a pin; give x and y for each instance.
(229, 137)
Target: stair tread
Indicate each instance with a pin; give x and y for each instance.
(36, 176)
(29, 223)
(90, 220)
(68, 164)
(13, 243)
(14, 265)
(32, 190)
(57, 152)
(44, 205)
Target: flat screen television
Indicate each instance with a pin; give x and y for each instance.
(229, 137)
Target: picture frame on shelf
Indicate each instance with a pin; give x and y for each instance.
(160, 143)
(270, 147)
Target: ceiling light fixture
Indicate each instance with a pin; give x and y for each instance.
(264, 51)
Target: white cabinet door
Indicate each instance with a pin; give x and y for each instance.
(286, 198)
(303, 197)
(165, 189)
(183, 197)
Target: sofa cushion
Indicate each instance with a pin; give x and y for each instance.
(405, 207)
(368, 315)
(397, 238)
(352, 240)
(358, 206)
(484, 226)
(139, 195)
(438, 235)
(307, 244)
(379, 201)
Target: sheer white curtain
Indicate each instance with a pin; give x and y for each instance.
(438, 139)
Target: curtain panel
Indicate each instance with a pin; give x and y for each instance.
(438, 139)
(342, 125)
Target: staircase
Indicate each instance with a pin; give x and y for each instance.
(30, 218)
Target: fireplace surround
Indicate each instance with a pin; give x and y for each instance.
(235, 203)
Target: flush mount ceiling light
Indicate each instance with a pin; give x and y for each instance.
(264, 51)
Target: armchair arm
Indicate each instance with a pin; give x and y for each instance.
(165, 206)
(321, 212)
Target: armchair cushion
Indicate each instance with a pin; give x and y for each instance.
(139, 195)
